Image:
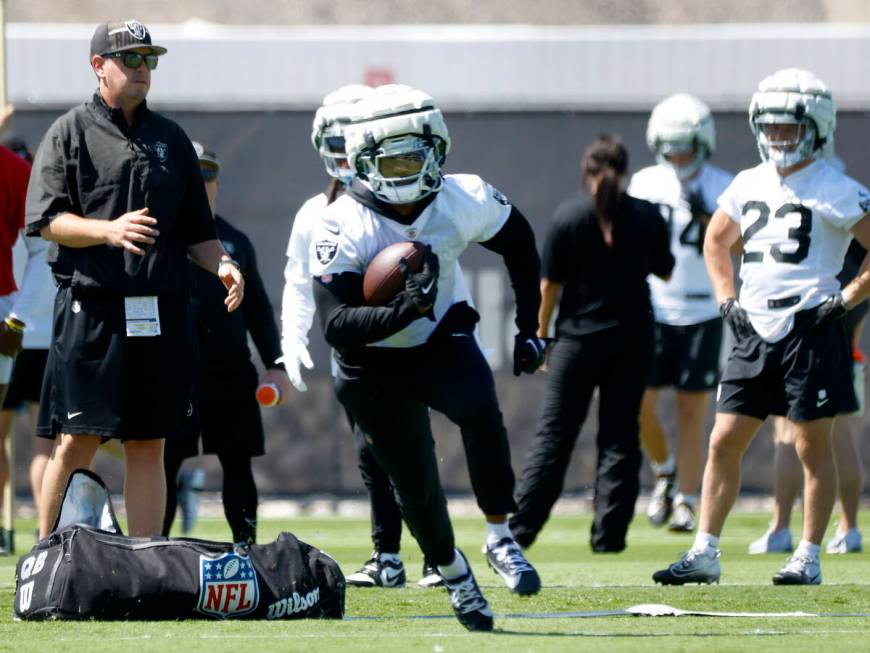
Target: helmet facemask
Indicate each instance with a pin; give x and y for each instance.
(332, 152)
(785, 152)
(402, 169)
(666, 149)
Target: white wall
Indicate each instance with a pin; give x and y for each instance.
(464, 67)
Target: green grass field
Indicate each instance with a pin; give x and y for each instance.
(574, 580)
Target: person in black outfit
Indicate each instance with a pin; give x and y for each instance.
(598, 254)
(230, 421)
(117, 189)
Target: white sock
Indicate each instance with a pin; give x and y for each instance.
(807, 548)
(690, 500)
(455, 569)
(704, 542)
(669, 466)
(496, 532)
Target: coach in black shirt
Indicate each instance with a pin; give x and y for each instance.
(117, 188)
(597, 255)
(227, 380)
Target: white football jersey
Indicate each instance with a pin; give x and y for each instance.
(297, 300)
(687, 298)
(465, 210)
(795, 235)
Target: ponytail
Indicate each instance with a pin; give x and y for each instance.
(607, 159)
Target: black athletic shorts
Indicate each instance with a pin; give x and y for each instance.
(686, 357)
(100, 382)
(228, 415)
(26, 383)
(805, 376)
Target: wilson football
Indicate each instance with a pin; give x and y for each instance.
(383, 279)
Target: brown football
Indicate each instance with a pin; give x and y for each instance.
(383, 279)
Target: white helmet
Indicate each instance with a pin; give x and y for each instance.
(327, 131)
(398, 147)
(792, 97)
(677, 124)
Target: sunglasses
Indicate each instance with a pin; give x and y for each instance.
(133, 60)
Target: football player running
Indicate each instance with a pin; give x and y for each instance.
(688, 328)
(419, 351)
(796, 215)
(385, 568)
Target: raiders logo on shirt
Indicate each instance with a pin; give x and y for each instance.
(326, 250)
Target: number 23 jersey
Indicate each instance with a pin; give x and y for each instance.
(795, 233)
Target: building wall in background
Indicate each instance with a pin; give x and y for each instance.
(269, 170)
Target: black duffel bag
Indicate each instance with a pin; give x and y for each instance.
(81, 572)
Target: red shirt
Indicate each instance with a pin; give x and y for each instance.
(14, 175)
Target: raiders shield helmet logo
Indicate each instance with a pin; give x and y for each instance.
(137, 29)
(161, 149)
(499, 197)
(326, 251)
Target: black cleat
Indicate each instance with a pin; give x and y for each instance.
(469, 604)
(693, 567)
(377, 572)
(661, 502)
(507, 560)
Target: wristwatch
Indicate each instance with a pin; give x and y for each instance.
(229, 261)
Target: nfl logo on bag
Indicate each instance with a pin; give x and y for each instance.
(227, 586)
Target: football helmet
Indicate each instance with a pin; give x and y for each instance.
(678, 124)
(792, 97)
(327, 131)
(398, 147)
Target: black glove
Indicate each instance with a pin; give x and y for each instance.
(530, 352)
(697, 206)
(422, 286)
(737, 318)
(833, 308)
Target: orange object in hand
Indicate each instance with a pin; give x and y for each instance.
(268, 394)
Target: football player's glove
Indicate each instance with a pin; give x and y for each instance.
(422, 286)
(294, 360)
(736, 317)
(530, 352)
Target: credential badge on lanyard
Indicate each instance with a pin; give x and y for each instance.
(143, 316)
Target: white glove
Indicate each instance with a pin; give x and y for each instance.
(293, 360)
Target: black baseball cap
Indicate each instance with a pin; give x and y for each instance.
(121, 35)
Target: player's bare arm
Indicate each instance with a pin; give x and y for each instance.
(212, 256)
(549, 296)
(722, 233)
(129, 231)
(857, 290)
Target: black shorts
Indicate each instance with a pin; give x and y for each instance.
(26, 383)
(805, 376)
(226, 427)
(686, 357)
(100, 382)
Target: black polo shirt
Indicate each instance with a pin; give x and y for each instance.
(605, 286)
(223, 337)
(92, 164)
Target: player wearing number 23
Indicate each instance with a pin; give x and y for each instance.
(796, 215)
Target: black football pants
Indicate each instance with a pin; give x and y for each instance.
(615, 360)
(388, 395)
